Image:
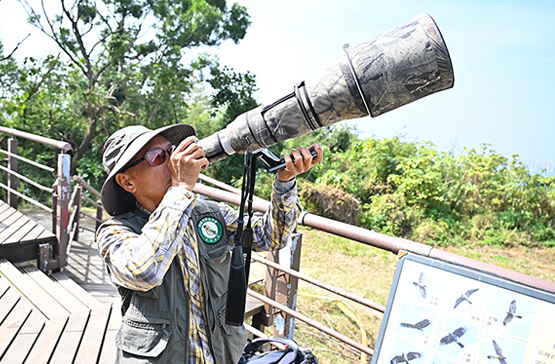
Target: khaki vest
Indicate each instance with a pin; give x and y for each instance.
(155, 323)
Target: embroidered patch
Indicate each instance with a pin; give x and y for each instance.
(210, 230)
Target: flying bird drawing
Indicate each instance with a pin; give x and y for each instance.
(405, 358)
(498, 353)
(464, 297)
(418, 326)
(511, 313)
(453, 337)
(421, 284)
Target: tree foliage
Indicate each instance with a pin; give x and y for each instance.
(121, 62)
(118, 62)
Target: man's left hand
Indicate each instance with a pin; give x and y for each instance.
(303, 162)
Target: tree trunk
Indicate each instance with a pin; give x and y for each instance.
(85, 144)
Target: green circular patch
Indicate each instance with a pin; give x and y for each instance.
(210, 230)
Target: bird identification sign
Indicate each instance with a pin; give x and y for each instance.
(440, 313)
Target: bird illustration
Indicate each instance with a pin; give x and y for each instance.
(418, 326)
(421, 284)
(464, 297)
(453, 337)
(511, 313)
(498, 353)
(405, 358)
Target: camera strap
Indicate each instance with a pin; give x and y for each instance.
(241, 255)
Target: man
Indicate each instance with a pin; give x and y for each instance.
(168, 252)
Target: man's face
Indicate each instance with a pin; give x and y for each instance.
(149, 183)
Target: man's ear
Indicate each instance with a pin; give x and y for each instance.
(125, 182)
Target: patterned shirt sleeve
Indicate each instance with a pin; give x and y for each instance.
(139, 261)
(273, 229)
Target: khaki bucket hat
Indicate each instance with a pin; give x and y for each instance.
(120, 149)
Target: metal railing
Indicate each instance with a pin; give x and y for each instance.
(368, 237)
(50, 258)
(282, 278)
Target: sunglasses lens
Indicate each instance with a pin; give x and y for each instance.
(156, 156)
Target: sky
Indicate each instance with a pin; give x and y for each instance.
(503, 55)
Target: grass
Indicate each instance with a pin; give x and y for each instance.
(368, 272)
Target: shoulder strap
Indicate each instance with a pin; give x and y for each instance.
(241, 256)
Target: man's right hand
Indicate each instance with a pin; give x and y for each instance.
(186, 162)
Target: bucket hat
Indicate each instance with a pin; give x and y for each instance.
(120, 149)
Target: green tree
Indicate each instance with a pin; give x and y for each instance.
(125, 61)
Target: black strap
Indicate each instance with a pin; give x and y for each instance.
(241, 256)
(246, 239)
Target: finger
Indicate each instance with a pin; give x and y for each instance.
(204, 163)
(297, 156)
(186, 143)
(288, 162)
(319, 153)
(307, 157)
(194, 154)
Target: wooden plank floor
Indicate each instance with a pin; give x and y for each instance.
(16, 228)
(43, 322)
(20, 236)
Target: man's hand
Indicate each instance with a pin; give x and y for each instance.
(303, 162)
(186, 162)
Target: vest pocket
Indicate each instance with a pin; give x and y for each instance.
(233, 339)
(142, 337)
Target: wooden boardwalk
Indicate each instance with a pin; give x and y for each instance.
(20, 236)
(52, 320)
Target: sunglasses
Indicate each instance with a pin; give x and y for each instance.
(154, 157)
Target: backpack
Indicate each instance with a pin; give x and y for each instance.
(292, 354)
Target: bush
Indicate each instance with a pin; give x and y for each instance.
(411, 190)
(330, 202)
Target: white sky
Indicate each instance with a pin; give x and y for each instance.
(503, 54)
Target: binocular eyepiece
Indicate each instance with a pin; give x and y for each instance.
(393, 69)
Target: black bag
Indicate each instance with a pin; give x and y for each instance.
(292, 354)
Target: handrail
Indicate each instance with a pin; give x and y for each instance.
(385, 242)
(91, 189)
(312, 322)
(42, 166)
(225, 186)
(37, 138)
(28, 180)
(51, 257)
(92, 201)
(368, 237)
(86, 185)
(28, 199)
(318, 283)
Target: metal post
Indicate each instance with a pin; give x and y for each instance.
(292, 287)
(286, 295)
(62, 214)
(264, 318)
(77, 207)
(99, 212)
(13, 166)
(54, 206)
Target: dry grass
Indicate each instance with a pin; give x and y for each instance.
(355, 267)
